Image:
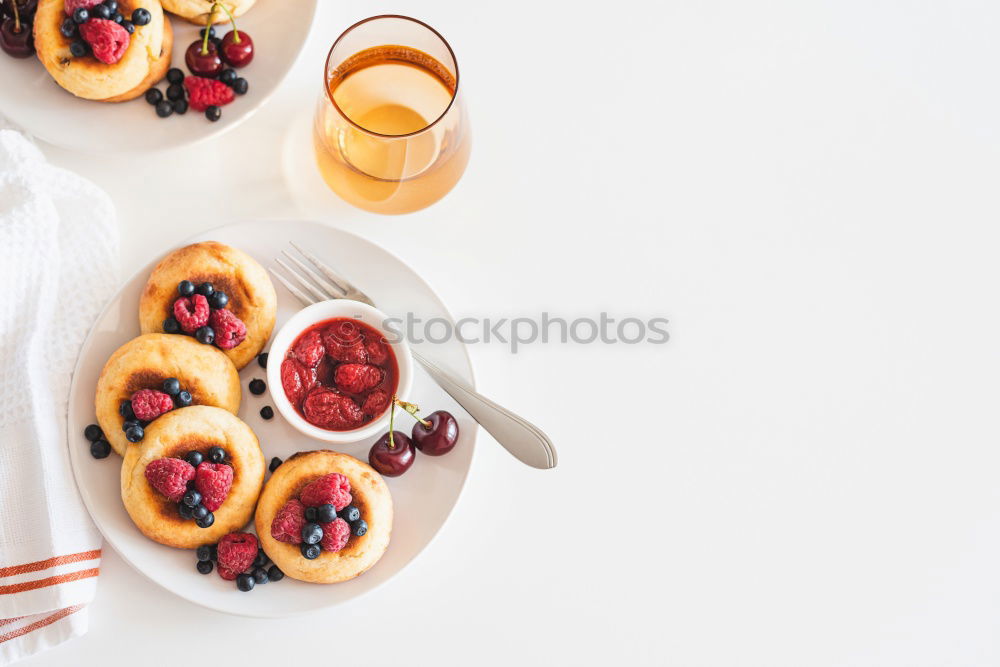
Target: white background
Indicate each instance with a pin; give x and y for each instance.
(805, 475)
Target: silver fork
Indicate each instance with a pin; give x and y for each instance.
(518, 436)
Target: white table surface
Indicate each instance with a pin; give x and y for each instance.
(805, 475)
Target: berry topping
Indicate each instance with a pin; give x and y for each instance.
(274, 573)
(204, 566)
(343, 342)
(350, 513)
(204, 552)
(241, 86)
(312, 533)
(164, 109)
(376, 403)
(257, 386)
(148, 404)
(170, 476)
(229, 329)
(218, 300)
(191, 312)
(327, 409)
(194, 457)
(206, 289)
(203, 93)
(236, 552)
(70, 6)
(205, 521)
(100, 449)
(325, 513)
(227, 574)
(213, 113)
(93, 432)
(335, 535)
(333, 488)
(172, 386)
(213, 481)
(205, 335)
(378, 351)
(184, 287)
(141, 16)
(125, 410)
(309, 349)
(171, 325)
(296, 379)
(175, 75)
(288, 522)
(310, 551)
(357, 378)
(154, 96)
(184, 399)
(245, 583)
(216, 454)
(359, 527)
(107, 39)
(135, 433)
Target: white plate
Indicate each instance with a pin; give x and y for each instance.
(33, 100)
(423, 497)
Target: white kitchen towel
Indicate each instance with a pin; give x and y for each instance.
(58, 259)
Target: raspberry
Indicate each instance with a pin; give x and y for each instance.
(148, 404)
(296, 380)
(236, 552)
(378, 351)
(356, 378)
(309, 349)
(70, 6)
(227, 574)
(335, 535)
(170, 477)
(191, 311)
(203, 93)
(213, 481)
(229, 329)
(376, 403)
(343, 342)
(107, 39)
(288, 522)
(327, 409)
(333, 488)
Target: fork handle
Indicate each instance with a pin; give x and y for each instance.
(518, 436)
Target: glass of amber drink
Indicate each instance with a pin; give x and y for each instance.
(391, 133)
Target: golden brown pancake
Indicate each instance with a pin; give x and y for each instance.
(174, 435)
(157, 69)
(145, 362)
(369, 494)
(251, 295)
(197, 11)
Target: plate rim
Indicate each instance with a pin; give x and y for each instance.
(74, 453)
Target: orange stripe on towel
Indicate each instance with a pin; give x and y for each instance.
(48, 581)
(51, 562)
(48, 620)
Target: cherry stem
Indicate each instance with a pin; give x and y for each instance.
(17, 17)
(392, 422)
(412, 409)
(208, 29)
(232, 19)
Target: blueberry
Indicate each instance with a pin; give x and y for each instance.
(93, 432)
(206, 520)
(267, 412)
(68, 28)
(190, 484)
(194, 458)
(100, 11)
(326, 513)
(245, 583)
(261, 558)
(112, 5)
(192, 498)
(211, 33)
(260, 575)
(141, 16)
(183, 399)
(310, 551)
(359, 527)
(164, 109)
(125, 410)
(274, 573)
(185, 288)
(153, 96)
(80, 15)
(100, 449)
(175, 91)
(215, 551)
(350, 514)
(129, 423)
(218, 300)
(180, 107)
(204, 552)
(262, 359)
(199, 512)
(118, 18)
(312, 533)
(184, 511)
(257, 387)
(78, 48)
(241, 86)
(213, 113)
(129, 27)
(227, 76)
(172, 386)
(205, 335)
(175, 75)
(275, 462)
(311, 514)
(206, 289)
(205, 566)
(216, 454)
(171, 325)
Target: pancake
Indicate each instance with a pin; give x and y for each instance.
(369, 494)
(197, 11)
(251, 295)
(174, 435)
(157, 69)
(145, 362)
(88, 77)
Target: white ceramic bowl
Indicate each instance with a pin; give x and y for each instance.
(304, 319)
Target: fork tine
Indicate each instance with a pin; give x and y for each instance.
(299, 294)
(344, 285)
(302, 282)
(331, 290)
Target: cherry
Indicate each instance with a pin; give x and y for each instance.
(202, 58)
(237, 48)
(26, 8)
(439, 437)
(392, 454)
(15, 36)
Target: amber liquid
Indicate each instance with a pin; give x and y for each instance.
(390, 158)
